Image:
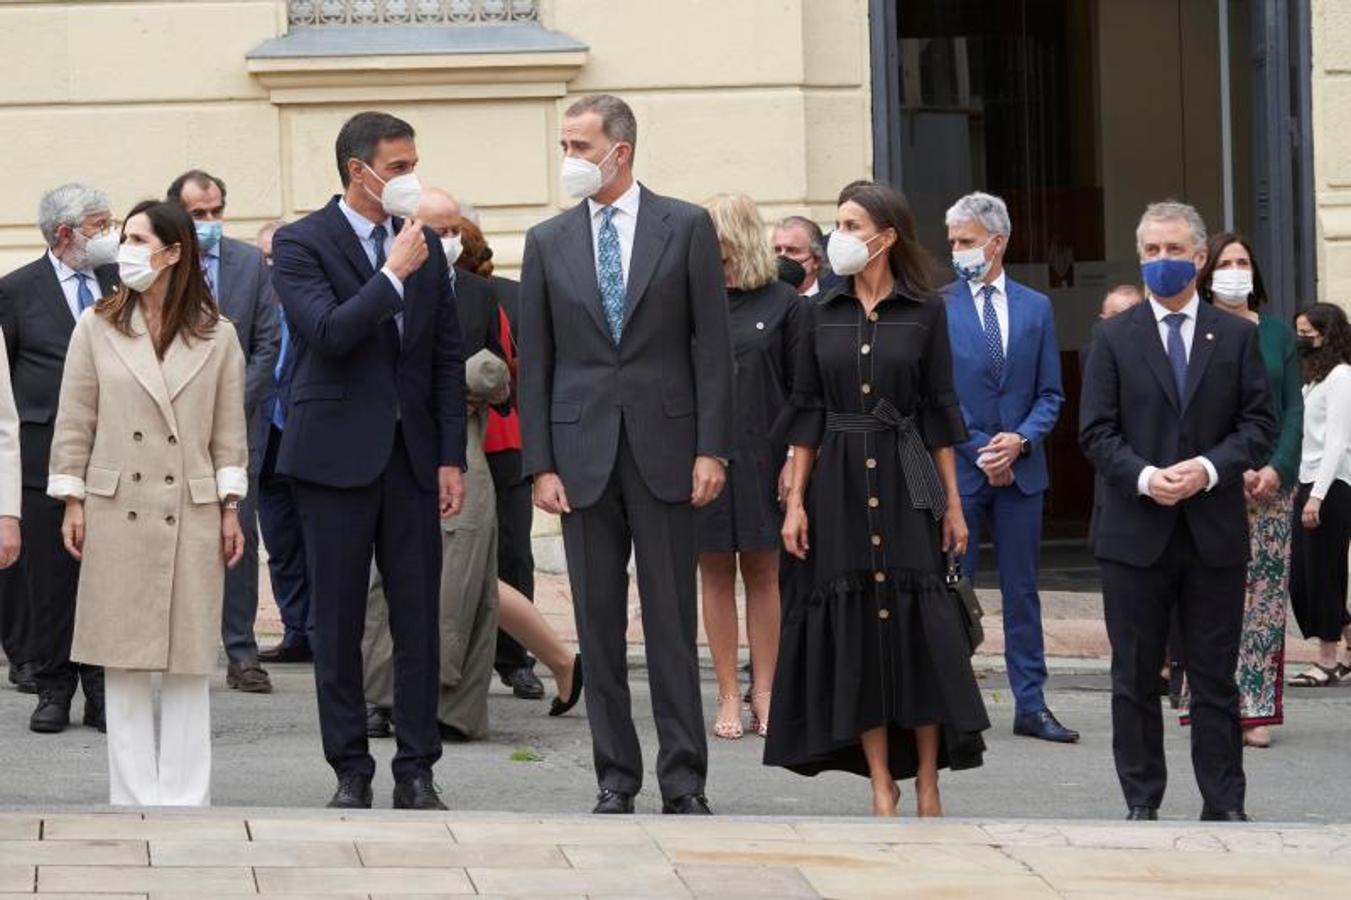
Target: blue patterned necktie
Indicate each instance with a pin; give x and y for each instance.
(994, 341)
(84, 297)
(610, 272)
(210, 280)
(1177, 351)
(279, 401)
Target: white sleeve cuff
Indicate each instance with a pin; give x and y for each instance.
(1212, 476)
(232, 481)
(394, 280)
(1142, 483)
(63, 486)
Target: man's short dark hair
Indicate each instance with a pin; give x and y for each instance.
(616, 118)
(362, 134)
(197, 177)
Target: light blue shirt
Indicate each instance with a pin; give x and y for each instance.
(363, 228)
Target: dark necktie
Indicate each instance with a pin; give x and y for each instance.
(994, 340)
(1177, 351)
(378, 235)
(279, 401)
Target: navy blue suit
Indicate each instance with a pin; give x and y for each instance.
(375, 408)
(1025, 399)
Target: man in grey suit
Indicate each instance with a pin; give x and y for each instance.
(239, 280)
(626, 418)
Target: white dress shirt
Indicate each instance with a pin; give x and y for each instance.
(1188, 329)
(1000, 299)
(363, 228)
(70, 285)
(814, 289)
(625, 222)
(1325, 456)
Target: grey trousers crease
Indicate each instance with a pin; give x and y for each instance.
(240, 608)
(468, 611)
(597, 541)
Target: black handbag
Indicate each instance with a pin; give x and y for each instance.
(963, 594)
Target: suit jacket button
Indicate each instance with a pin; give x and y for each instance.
(873, 502)
(865, 349)
(884, 614)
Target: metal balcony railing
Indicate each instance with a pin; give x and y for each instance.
(338, 13)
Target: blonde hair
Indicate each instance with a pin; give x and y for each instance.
(742, 233)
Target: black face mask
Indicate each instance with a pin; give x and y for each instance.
(791, 272)
(1304, 344)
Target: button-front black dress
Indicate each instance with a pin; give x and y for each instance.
(746, 515)
(870, 635)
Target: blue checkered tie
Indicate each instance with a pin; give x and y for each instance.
(1177, 351)
(610, 273)
(994, 341)
(83, 295)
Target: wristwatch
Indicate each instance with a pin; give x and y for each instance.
(1026, 448)
(230, 504)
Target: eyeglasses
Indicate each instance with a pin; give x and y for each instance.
(107, 228)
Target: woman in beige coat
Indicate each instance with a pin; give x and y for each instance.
(149, 453)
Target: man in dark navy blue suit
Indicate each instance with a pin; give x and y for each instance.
(374, 442)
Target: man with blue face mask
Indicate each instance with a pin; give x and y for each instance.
(1174, 410)
(239, 280)
(1006, 368)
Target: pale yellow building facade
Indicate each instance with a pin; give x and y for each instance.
(769, 97)
(1332, 146)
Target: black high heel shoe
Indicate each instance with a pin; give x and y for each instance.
(560, 706)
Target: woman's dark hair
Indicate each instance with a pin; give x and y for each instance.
(1330, 323)
(1217, 244)
(476, 256)
(911, 265)
(189, 308)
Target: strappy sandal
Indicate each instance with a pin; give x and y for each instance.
(1309, 679)
(729, 729)
(757, 726)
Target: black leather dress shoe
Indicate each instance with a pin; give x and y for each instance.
(354, 792)
(561, 706)
(613, 803)
(1043, 726)
(21, 676)
(51, 716)
(1228, 815)
(378, 720)
(1142, 814)
(688, 805)
(283, 653)
(94, 716)
(524, 683)
(418, 792)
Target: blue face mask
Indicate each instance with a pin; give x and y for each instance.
(1168, 277)
(208, 234)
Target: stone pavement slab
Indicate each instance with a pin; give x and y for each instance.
(378, 854)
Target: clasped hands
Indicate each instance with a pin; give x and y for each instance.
(1170, 486)
(996, 458)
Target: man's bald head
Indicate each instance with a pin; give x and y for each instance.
(1119, 299)
(439, 211)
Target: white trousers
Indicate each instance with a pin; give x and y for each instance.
(179, 774)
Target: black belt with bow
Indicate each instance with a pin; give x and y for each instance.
(921, 476)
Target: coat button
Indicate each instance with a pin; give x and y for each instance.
(871, 463)
(135, 476)
(879, 577)
(168, 479)
(873, 502)
(136, 436)
(884, 614)
(866, 388)
(759, 326)
(131, 515)
(865, 349)
(877, 540)
(172, 439)
(872, 317)
(170, 520)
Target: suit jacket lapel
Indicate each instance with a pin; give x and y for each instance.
(1203, 347)
(580, 255)
(347, 241)
(1151, 348)
(225, 277)
(53, 298)
(137, 353)
(650, 237)
(1017, 322)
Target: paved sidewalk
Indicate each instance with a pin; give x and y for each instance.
(220, 853)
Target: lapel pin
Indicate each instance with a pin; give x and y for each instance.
(760, 325)
(1210, 336)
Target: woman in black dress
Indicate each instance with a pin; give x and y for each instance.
(742, 525)
(874, 673)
